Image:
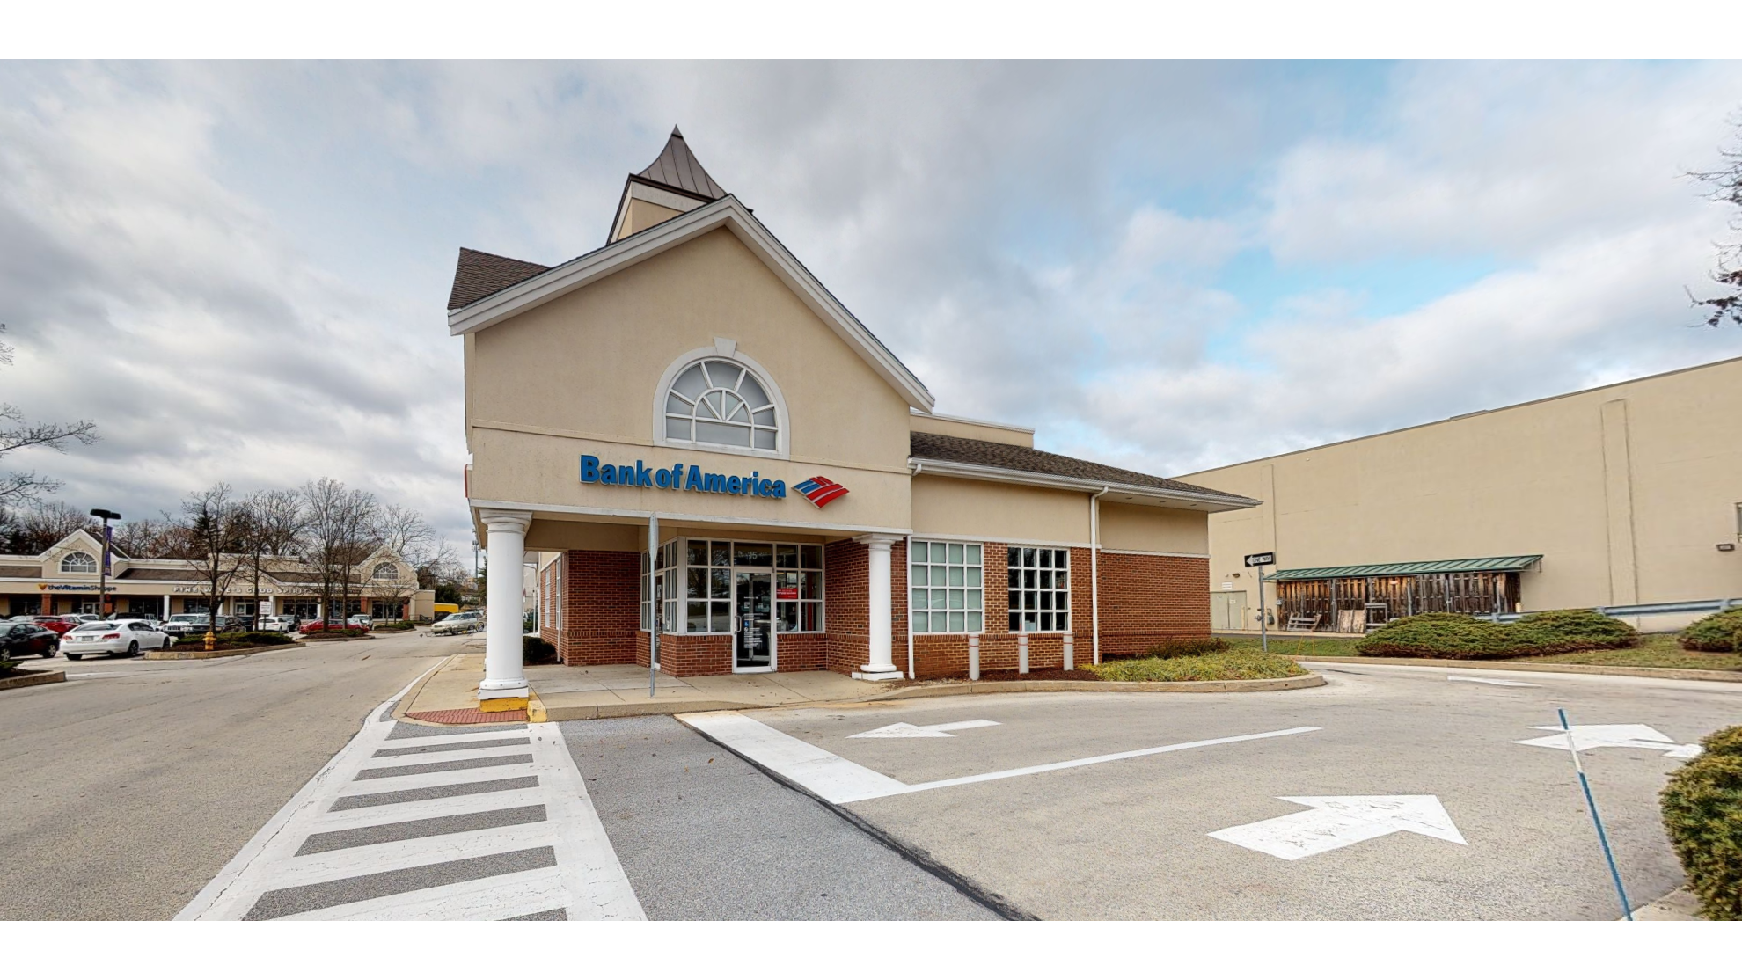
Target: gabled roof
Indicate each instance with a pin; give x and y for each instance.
(677, 169)
(977, 458)
(479, 274)
(728, 212)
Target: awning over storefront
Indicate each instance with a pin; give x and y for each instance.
(1515, 563)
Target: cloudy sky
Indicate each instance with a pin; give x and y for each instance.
(239, 271)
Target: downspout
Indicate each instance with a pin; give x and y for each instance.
(917, 466)
(1095, 568)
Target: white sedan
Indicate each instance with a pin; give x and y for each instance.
(119, 638)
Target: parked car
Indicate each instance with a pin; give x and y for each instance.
(470, 621)
(21, 638)
(121, 638)
(58, 624)
(278, 624)
(188, 624)
(332, 624)
(364, 621)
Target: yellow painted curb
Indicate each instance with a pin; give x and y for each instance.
(489, 705)
(535, 709)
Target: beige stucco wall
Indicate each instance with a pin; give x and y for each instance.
(1161, 530)
(579, 375)
(999, 511)
(640, 215)
(1624, 490)
(967, 429)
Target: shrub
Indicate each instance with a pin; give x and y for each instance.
(1242, 666)
(534, 650)
(1187, 646)
(1702, 811)
(394, 626)
(1439, 634)
(1566, 630)
(1720, 632)
(323, 629)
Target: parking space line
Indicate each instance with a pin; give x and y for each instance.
(838, 780)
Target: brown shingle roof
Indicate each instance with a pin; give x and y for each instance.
(678, 169)
(20, 571)
(479, 274)
(1020, 459)
(187, 574)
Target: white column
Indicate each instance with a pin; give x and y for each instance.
(882, 662)
(504, 671)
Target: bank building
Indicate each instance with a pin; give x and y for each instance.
(696, 437)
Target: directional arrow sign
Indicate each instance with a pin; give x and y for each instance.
(1338, 821)
(902, 729)
(1613, 737)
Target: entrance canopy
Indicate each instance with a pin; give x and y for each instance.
(1516, 563)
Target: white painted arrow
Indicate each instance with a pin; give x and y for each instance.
(902, 729)
(1338, 821)
(1613, 737)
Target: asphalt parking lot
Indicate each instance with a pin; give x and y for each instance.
(1489, 828)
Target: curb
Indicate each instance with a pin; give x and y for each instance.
(32, 680)
(410, 697)
(1663, 673)
(169, 654)
(949, 688)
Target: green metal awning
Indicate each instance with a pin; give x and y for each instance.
(1515, 563)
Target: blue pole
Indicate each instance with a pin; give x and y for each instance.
(1591, 801)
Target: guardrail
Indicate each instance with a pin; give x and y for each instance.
(1643, 609)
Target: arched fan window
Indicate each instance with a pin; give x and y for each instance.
(78, 561)
(385, 572)
(719, 402)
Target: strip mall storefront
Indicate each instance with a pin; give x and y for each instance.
(65, 579)
(700, 444)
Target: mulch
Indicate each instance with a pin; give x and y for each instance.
(1050, 674)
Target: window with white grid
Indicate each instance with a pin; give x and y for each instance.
(946, 593)
(1040, 595)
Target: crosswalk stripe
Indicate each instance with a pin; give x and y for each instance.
(499, 897)
(453, 738)
(354, 862)
(419, 751)
(443, 755)
(447, 806)
(446, 777)
(450, 765)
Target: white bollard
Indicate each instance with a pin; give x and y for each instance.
(1070, 660)
(973, 656)
(1022, 653)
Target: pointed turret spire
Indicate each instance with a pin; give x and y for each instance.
(678, 168)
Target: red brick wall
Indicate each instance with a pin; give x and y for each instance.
(1149, 598)
(846, 606)
(805, 651)
(690, 654)
(601, 608)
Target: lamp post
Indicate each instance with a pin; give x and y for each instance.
(103, 569)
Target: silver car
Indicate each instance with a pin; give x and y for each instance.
(470, 621)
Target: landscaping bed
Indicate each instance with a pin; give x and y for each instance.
(1232, 665)
(24, 677)
(227, 645)
(1702, 811)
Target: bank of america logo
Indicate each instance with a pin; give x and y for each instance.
(820, 490)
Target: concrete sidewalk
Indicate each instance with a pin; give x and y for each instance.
(560, 693)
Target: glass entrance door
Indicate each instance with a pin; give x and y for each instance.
(753, 611)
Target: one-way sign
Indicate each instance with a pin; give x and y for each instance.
(1262, 558)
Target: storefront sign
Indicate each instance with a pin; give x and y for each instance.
(789, 594)
(820, 490)
(46, 587)
(676, 477)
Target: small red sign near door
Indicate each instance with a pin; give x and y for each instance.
(787, 594)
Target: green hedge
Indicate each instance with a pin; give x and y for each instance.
(534, 650)
(1702, 811)
(1452, 636)
(1718, 633)
(1187, 646)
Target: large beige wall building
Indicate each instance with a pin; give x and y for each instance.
(1623, 495)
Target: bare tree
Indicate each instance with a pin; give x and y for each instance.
(37, 527)
(152, 537)
(16, 434)
(212, 520)
(403, 532)
(271, 522)
(1726, 186)
(340, 536)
